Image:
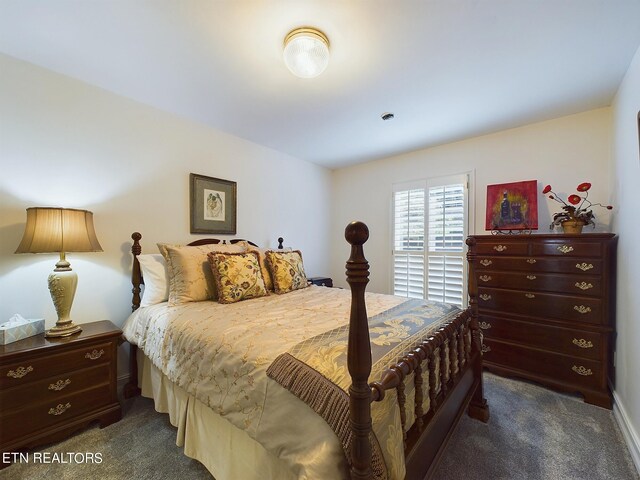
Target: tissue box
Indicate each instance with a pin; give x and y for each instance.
(11, 334)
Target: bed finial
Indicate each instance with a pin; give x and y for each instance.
(280, 240)
(359, 353)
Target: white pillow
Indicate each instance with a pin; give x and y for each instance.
(154, 273)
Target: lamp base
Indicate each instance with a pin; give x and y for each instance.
(63, 330)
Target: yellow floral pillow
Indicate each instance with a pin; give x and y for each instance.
(287, 270)
(189, 274)
(262, 257)
(237, 276)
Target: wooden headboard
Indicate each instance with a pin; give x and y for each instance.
(136, 249)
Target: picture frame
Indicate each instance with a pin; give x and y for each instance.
(213, 205)
(512, 206)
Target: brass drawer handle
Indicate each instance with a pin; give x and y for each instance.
(499, 248)
(485, 262)
(565, 248)
(485, 278)
(584, 285)
(60, 409)
(19, 372)
(94, 355)
(59, 385)
(484, 325)
(531, 277)
(531, 260)
(485, 297)
(582, 309)
(485, 348)
(582, 343)
(584, 266)
(529, 295)
(585, 372)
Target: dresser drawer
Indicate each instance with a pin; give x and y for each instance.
(53, 388)
(574, 371)
(576, 343)
(545, 305)
(503, 248)
(43, 414)
(27, 371)
(573, 284)
(539, 264)
(574, 248)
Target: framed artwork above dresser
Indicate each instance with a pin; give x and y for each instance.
(546, 307)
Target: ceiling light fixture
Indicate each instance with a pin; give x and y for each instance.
(306, 52)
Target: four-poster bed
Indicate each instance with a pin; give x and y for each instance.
(428, 384)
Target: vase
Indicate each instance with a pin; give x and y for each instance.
(573, 226)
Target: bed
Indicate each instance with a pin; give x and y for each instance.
(280, 386)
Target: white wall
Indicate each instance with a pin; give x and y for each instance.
(563, 152)
(626, 175)
(65, 143)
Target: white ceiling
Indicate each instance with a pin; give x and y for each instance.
(448, 69)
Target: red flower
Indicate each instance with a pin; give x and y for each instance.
(574, 199)
(547, 189)
(583, 187)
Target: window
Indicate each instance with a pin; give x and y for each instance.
(430, 227)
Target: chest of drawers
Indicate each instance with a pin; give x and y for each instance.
(51, 387)
(546, 307)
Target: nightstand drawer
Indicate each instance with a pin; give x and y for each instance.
(578, 343)
(52, 388)
(47, 413)
(45, 366)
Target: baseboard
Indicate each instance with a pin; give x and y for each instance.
(629, 433)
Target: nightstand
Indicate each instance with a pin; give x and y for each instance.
(321, 281)
(51, 387)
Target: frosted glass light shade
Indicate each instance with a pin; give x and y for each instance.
(306, 52)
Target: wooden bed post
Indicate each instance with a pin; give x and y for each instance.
(131, 388)
(359, 353)
(478, 407)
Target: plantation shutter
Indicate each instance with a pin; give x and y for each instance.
(429, 232)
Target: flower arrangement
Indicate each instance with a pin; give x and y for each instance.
(577, 213)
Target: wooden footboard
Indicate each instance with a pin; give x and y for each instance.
(455, 343)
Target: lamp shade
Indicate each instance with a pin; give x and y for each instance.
(55, 230)
(306, 52)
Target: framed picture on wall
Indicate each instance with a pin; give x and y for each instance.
(512, 206)
(213, 205)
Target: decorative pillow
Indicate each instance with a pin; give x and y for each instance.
(190, 277)
(287, 270)
(262, 258)
(237, 275)
(154, 273)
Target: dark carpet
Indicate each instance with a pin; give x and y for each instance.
(533, 433)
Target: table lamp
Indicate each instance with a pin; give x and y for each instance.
(60, 230)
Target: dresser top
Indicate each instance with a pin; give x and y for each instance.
(91, 332)
(547, 236)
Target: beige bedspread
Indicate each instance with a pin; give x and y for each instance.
(220, 353)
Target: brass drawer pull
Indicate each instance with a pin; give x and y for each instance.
(582, 343)
(565, 248)
(59, 385)
(60, 409)
(531, 277)
(19, 372)
(485, 297)
(585, 372)
(484, 262)
(584, 285)
(485, 348)
(485, 278)
(529, 295)
(94, 355)
(484, 325)
(531, 260)
(582, 309)
(499, 248)
(584, 266)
